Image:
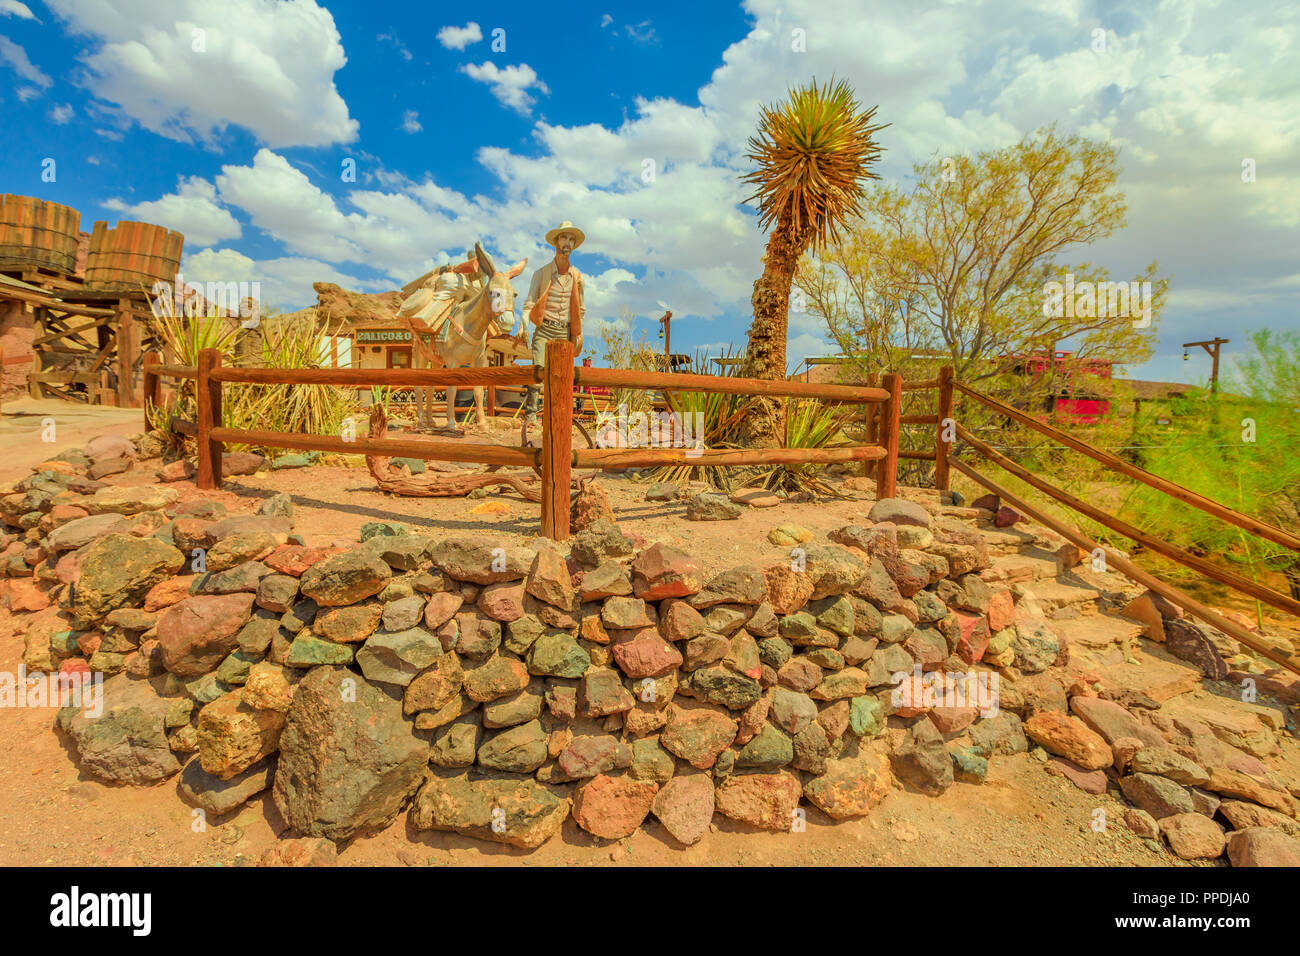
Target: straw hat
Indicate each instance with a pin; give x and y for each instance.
(566, 226)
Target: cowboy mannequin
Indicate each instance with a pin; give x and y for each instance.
(554, 305)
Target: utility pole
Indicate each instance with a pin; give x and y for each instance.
(1212, 347)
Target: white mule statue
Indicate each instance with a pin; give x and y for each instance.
(463, 317)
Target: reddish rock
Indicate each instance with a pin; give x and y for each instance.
(179, 470)
(1005, 517)
(503, 601)
(1089, 781)
(678, 621)
(25, 595)
(241, 463)
(685, 806)
(661, 571)
(1263, 846)
(307, 851)
(1193, 836)
(549, 580)
(643, 653)
(974, 638)
(440, 608)
(787, 589)
(196, 634)
(1069, 737)
(612, 807)
(166, 593)
(1001, 612)
(764, 800)
(294, 559)
(589, 504)
(952, 720)
(698, 735)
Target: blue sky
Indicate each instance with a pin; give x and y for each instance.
(231, 120)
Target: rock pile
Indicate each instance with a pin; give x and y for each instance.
(497, 691)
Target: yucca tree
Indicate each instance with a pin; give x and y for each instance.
(814, 151)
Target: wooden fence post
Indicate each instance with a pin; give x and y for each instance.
(209, 417)
(557, 439)
(887, 468)
(941, 447)
(152, 386)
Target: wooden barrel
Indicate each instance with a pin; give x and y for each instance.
(132, 255)
(35, 234)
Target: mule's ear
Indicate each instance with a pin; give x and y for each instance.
(484, 262)
(517, 268)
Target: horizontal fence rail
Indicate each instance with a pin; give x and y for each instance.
(557, 457)
(1132, 571)
(1186, 495)
(1173, 552)
(682, 381)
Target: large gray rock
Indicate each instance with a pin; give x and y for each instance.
(348, 760)
(515, 811)
(345, 578)
(127, 742)
(216, 796)
(118, 570)
(79, 532)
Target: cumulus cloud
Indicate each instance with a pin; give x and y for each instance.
(509, 85)
(192, 210)
(61, 114)
(457, 38)
(12, 8)
(411, 122)
(1186, 92)
(191, 68)
(16, 58)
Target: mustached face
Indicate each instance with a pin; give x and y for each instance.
(565, 242)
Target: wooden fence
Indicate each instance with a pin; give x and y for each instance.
(557, 458)
(1115, 560)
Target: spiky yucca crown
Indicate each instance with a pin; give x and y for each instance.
(813, 152)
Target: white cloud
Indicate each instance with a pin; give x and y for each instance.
(509, 85)
(1185, 91)
(605, 20)
(12, 8)
(411, 122)
(14, 55)
(457, 38)
(191, 68)
(286, 283)
(26, 93)
(192, 210)
(61, 114)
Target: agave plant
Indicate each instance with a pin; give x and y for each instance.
(277, 343)
(719, 417)
(813, 153)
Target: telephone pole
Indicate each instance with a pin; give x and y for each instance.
(1212, 347)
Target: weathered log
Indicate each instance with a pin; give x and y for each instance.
(399, 481)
